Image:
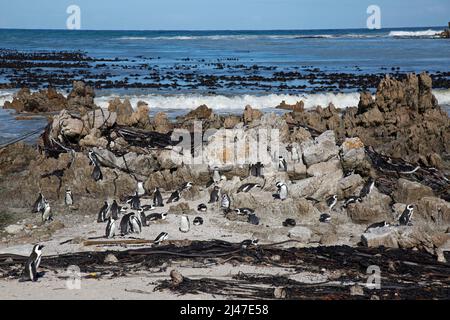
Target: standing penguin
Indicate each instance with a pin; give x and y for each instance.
(157, 198)
(367, 189)
(104, 212)
(125, 224)
(97, 174)
(214, 197)
(115, 210)
(135, 224)
(134, 202)
(39, 203)
(140, 189)
(110, 228)
(184, 224)
(282, 190)
(225, 202)
(47, 213)
(406, 216)
(332, 201)
(216, 175)
(68, 198)
(282, 164)
(32, 264)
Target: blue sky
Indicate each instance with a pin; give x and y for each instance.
(221, 14)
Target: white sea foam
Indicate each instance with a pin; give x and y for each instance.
(237, 102)
(242, 37)
(412, 34)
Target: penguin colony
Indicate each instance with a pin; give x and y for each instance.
(130, 219)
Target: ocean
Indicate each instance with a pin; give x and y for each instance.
(175, 71)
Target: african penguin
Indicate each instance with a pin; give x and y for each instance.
(140, 189)
(253, 219)
(216, 175)
(282, 164)
(134, 202)
(406, 216)
(32, 264)
(325, 217)
(377, 225)
(184, 224)
(282, 190)
(142, 218)
(225, 202)
(174, 197)
(289, 223)
(214, 197)
(163, 236)
(47, 213)
(156, 217)
(110, 228)
(97, 174)
(157, 198)
(135, 224)
(68, 198)
(197, 221)
(244, 211)
(104, 213)
(115, 210)
(249, 242)
(350, 200)
(256, 170)
(39, 204)
(367, 189)
(125, 224)
(186, 186)
(202, 207)
(248, 187)
(93, 159)
(332, 201)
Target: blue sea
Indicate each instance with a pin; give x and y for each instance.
(170, 70)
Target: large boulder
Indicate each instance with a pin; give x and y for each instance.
(374, 208)
(322, 149)
(41, 101)
(410, 191)
(434, 210)
(81, 98)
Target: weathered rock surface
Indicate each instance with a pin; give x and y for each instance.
(410, 192)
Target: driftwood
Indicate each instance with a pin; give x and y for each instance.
(405, 274)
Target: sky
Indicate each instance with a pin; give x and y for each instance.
(221, 14)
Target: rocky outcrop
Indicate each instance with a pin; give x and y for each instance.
(42, 101)
(322, 149)
(81, 98)
(251, 114)
(400, 120)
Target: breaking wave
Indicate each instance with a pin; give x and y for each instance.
(413, 34)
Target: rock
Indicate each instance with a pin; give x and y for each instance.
(141, 118)
(347, 186)
(81, 98)
(300, 233)
(356, 290)
(353, 155)
(410, 192)
(176, 278)
(298, 107)
(162, 123)
(200, 113)
(280, 293)
(42, 101)
(386, 237)
(182, 208)
(94, 139)
(251, 114)
(231, 121)
(123, 110)
(324, 168)
(64, 123)
(14, 229)
(99, 119)
(322, 149)
(434, 210)
(110, 258)
(374, 208)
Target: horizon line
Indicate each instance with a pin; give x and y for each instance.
(199, 30)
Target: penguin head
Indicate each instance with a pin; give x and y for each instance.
(38, 248)
(410, 207)
(164, 215)
(335, 197)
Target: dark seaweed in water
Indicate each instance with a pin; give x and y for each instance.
(406, 274)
